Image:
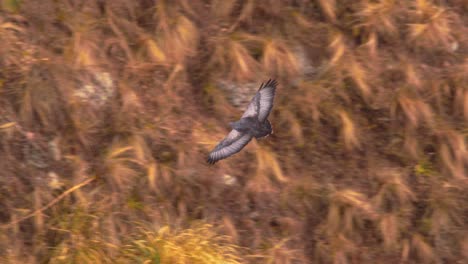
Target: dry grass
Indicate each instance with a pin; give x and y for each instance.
(108, 109)
(197, 245)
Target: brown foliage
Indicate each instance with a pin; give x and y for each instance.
(108, 109)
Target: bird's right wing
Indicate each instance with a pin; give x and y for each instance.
(267, 95)
(253, 107)
(262, 103)
(233, 143)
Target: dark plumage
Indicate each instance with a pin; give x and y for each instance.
(253, 123)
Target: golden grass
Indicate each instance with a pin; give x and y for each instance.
(278, 60)
(197, 245)
(349, 132)
(108, 109)
(329, 9)
(232, 55)
(432, 27)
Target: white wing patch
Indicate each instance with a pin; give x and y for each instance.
(253, 107)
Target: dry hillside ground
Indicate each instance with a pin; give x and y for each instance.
(108, 110)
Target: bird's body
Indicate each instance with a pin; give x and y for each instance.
(253, 127)
(253, 123)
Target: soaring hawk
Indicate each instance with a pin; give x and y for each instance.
(253, 123)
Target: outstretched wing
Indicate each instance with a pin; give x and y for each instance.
(253, 107)
(230, 145)
(262, 103)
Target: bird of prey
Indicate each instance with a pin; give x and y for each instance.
(253, 123)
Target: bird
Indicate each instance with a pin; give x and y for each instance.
(253, 123)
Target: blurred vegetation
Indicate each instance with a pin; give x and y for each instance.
(109, 108)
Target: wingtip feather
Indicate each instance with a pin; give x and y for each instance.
(270, 82)
(210, 161)
(261, 86)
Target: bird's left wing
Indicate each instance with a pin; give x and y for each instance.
(230, 145)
